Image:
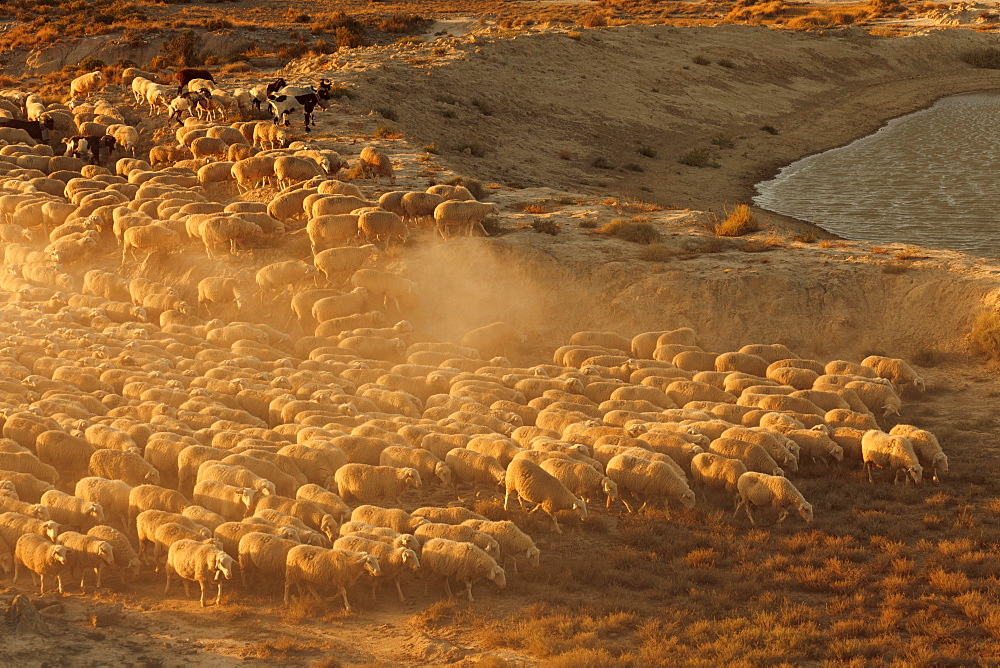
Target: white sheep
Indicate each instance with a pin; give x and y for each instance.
(125, 558)
(199, 562)
(463, 561)
(235, 476)
(41, 557)
(465, 217)
(895, 370)
(417, 205)
(532, 484)
(122, 465)
(514, 543)
(368, 483)
(339, 262)
(384, 286)
(392, 560)
(72, 511)
(648, 480)
(307, 512)
(86, 83)
(85, 552)
(582, 479)
(315, 565)
(398, 520)
(423, 461)
(896, 453)
(263, 555)
(290, 169)
(926, 445)
(325, 500)
(253, 172)
(232, 502)
(375, 224)
(449, 515)
(717, 472)
(763, 490)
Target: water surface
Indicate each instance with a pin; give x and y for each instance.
(930, 178)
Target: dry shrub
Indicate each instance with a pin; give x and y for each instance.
(985, 334)
(403, 23)
(948, 583)
(655, 252)
(738, 222)
(987, 57)
(755, 12)
(630, 230)
(595, 19)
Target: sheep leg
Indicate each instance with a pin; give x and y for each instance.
(218, 596)
(166, 590)
(97, 572)
(201, 584)
(343, 594)
(288, 587)
(746, 507)
(399, 590)
(59, 586)
(782, 515)
(868, 468)
(468, 590)
(447, 589)
(506, 499)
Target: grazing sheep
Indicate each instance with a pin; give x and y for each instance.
(376, 225)
(895, 370)
(316, 565)
(369, 483)
(752, 455)
(26, 462)
(896, 453)
(391, 560)
(309, 513)
(393, 518)
(462, 561)
(451, 192)
(534, 485)
(85, 552)
(290, 169)
(198, 562)
(41, 557)
(816, 445)
(514, 543)
(419, 205)
(425, 463)
(340, 262)
(464, 217)
(879, 398)
(263, 555)
(331, 230)
(111, 495)
(154, 497)
(648, 479)
(474, 468)
(9, 504)
(372, 163)
(926, 445)
(236, 476)
(717, 472)
(582, 479)
(72, 511)
(774, 491)
(459, 532)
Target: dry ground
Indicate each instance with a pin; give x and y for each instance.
(886, 574)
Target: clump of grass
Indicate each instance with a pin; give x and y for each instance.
(565, 154)
(723, 141)
(738, 222)
(484, 107)
(985, 334)
(894, 268)
(656, 253)
(474, 186)
(807, 238)
(575, 35)
(769, 129)
(595, 19)
(647, 151)
(698, 157)
(631, 230)
(589, 224)
(879, 250)
(701, 59)
(430, 148)
(927, 357)
(725, 62)
(401, 23)
(388, 113)
(492, 226)
(387, 131)
(545, 226)
(600, 162)
(473, 148)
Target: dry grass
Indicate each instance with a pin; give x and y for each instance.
(985, 334)
(638, 231)
(738, 222)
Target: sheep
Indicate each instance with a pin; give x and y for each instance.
(463, 561)
(717, 472)
(236, 476)
(761, 489)
(280, 275)
(926, 446)
(273, 136)
(393, 518)
(773, 443)
(390, 287)
(582, 479)
(894, 452)
(329, 230)
(419, 205)
(153, 497)
(459, 532)
(533, 484)
(466, 217)
(897, 371)
(646, 479)
(86, 83)
(325, 500)
(753, 456)
(72, 511)
(845, 368)
(152, 238)
(392, 560)
(191, 560)
(877, 396)
(148, 522)
(221, 290)
(498, 338)
(86, 552)
(122, 465)
(377, 225)
(372, 163)
(9, 504)
(816, 445)
(425, 463)
(451, 192)
(111, 495)
(124, 557)
(338, 262)
(263, 554)
(449, 515)
(318, 465)
(368, 483)
(41, 557)
(316, 565)
(232, 502)
(306, 511)
(290, 169)
(339, 306)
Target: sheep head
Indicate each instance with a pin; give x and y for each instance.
(409, 558)
(106, 552)
(806, 511)
(687, 499)
(370, 563)
(498, 577)
(58, 554)
(916, 473)
(223, 565)
(51, 530)
(580, 506)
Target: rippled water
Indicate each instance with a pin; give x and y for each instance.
(930, 178)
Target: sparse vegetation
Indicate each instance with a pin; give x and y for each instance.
(698, 157)
(600, 162)
(701, 59)
(985, 333)
(640, 232)
(647, 151)
(656, 252)
(404, 23)
(738, 222)
(545, 226)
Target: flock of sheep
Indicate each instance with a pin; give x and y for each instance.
(139, 436)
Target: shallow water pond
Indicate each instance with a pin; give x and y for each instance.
(930, 178)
